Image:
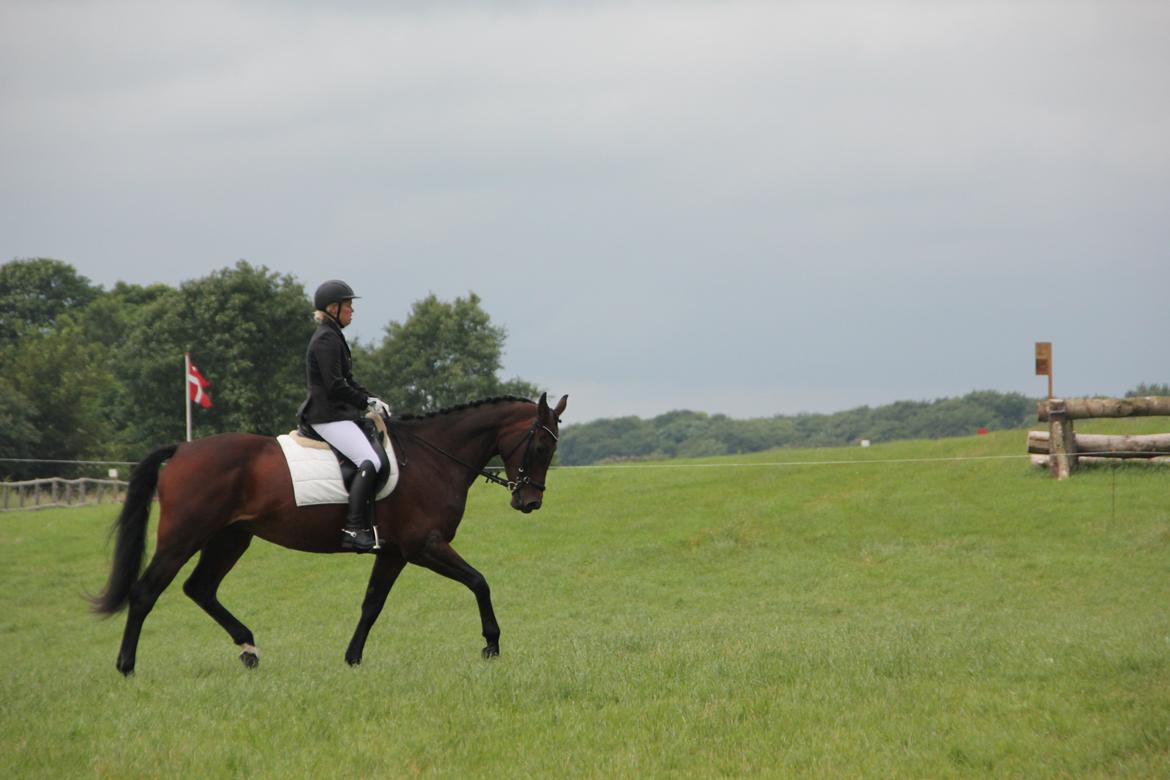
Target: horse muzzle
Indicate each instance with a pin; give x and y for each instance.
(527, 505)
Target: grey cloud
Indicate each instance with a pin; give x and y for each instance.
(719, 203)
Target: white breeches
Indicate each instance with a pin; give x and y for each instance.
(348, 439)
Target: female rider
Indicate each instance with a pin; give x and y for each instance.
(336, 402)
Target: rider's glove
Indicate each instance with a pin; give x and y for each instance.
(378, 405)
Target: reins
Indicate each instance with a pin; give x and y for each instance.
(512, 486)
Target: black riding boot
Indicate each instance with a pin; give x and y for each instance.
(358, 535)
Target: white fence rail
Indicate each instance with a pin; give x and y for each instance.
(59, 492)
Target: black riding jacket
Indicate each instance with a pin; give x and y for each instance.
(333, 393)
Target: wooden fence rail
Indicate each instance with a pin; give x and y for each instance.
(1086, 408)
(59, 492)
(1106, 446)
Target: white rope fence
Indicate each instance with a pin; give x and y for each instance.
(1115, 454)
(1152, 456)
(71, 462)
(788, 463)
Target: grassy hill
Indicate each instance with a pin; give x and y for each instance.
(927, 609)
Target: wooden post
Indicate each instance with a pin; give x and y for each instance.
(1070, 442)
(1061, 440)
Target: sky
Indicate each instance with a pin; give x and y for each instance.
(745, 208)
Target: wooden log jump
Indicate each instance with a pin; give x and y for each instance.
(1064, 448)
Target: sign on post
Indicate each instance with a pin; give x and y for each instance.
(1044, 362)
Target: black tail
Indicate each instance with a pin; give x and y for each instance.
(130, 527)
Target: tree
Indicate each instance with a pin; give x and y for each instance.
(60, 383)
(18, 434)
(95, 374)
(1144, 389)
(63, 394)
(246, 328)
(443, 354)
(34, 293)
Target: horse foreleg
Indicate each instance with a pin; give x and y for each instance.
(387, 566)
(439, 557)
(216, 560)
(158, 575)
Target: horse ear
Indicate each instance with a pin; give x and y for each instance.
(561, 406)
(542, 406)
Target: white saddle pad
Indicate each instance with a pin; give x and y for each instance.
(316, 474)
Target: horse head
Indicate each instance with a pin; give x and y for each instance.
(528, 451)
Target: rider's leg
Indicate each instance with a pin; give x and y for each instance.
(348, 439)
(358, 534)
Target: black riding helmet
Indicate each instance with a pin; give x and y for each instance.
(332, 291)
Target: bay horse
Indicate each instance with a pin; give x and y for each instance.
(217, 493)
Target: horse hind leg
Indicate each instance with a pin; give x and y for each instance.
(145, 592)
(217, 559)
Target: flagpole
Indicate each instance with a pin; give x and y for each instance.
(187, 389)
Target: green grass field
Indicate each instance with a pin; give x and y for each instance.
(951, 618)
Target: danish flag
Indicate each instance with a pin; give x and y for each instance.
(197, 386)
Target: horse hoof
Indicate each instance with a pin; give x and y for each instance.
(126, 668)
(251, 660)
(354, 661)
(491, 651)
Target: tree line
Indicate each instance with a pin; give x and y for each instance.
(688, 434)
(695, 434)
(93, 374)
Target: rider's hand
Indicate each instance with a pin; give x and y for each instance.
(378, 405)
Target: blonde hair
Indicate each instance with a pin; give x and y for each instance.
(319, 315)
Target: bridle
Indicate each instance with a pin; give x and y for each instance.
(523, 480)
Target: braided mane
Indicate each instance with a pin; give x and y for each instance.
(499, 399)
